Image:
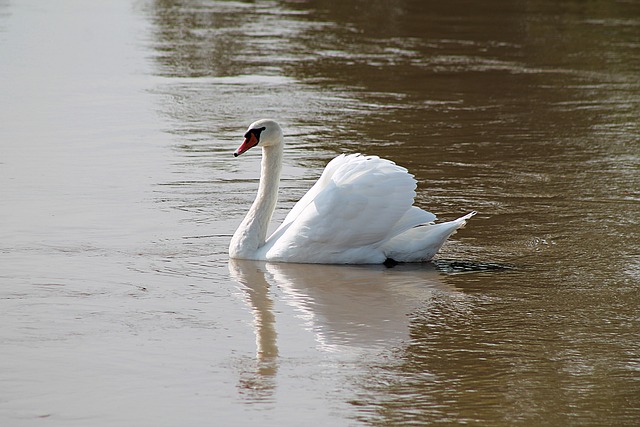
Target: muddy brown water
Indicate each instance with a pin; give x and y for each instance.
(119, 194)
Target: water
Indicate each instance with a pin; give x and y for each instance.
(119, 194)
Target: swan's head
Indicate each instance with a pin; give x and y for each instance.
(264, 133)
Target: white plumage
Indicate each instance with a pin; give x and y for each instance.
(360, 211)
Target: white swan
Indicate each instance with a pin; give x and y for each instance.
(360, 211)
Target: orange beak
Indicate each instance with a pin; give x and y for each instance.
(248, 143)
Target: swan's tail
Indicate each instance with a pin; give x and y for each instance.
(421, 243)
(463, 219)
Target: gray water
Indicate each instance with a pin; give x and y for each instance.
(119, 193)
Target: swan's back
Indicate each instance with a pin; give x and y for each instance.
(358, 204)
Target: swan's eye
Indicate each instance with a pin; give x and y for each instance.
(256, 132)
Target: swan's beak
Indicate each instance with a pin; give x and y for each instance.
(248, 143)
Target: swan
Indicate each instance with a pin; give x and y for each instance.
(360, 211)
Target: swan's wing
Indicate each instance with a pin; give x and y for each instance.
(358, 203)
(320, 184)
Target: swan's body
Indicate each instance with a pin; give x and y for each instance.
(360, 211)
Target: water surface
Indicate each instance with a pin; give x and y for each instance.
(119, 195)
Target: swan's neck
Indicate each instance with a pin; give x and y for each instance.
(252, 232)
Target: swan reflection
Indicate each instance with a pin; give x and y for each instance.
(255, 286)
(345, 307)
